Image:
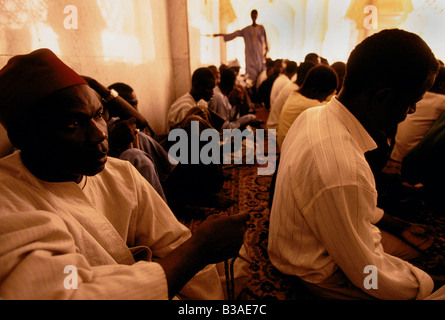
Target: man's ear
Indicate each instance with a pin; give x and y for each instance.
(382, 100)
(383, 96)
(16, 137)
(20, 134)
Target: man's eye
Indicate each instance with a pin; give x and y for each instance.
(74, 125)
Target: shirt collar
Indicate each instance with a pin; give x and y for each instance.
(355, 128)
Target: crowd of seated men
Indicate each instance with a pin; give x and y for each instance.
(86, 182)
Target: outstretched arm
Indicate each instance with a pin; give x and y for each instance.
(229, 36)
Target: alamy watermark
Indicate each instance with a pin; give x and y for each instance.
(371, 281)
(371, 20)
(71, 20)
(71, 281)
(218, 150)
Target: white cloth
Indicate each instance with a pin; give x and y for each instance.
(45, 227)
(413, 128)
(181, 106)
(325, 207)
(277, 86)
(277, 106)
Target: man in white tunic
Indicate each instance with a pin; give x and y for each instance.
(203, 82)
(412, 130)
(256, 46)
(76, 224)
(326, 228)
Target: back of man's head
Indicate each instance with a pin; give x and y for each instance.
(321, 80)
(391, 58)
(201, 77)
(303, 69)
(291, 67)
(312, 57)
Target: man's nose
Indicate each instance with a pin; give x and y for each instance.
(98, 131)
(412, 109)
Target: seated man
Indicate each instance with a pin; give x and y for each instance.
(221, 105)
(425, 164)
(203, 82)
(126, 143)
(277, 106)
(266, 87)
(283, 79)
(138, 147)
(412, 130)
(64, 203)
(325, 226)
(242, 90)
(319, 86)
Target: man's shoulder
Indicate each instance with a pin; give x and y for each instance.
(10, 165)
(118, 166)
(185, 98)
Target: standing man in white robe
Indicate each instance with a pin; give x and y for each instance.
(256, 46)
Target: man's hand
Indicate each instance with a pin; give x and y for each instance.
(418, 236)
(415, 234)
(217, 239)
(121, 135)
(220, 237)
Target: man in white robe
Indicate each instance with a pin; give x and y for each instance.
(256, 46)
(325, 227)
(75, 224)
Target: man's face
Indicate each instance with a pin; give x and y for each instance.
(401, 104)
(206, 89)
(71, 134)
(131, 98)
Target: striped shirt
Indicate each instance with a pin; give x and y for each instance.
(181, 106)
(277, 106)
(325, 208)
(112, 228)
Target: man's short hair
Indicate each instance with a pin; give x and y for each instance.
(312, 56)
(202, 76)
(291, 67)
(391, 58)
(321, 77)
(303, 69)
(228, 78)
